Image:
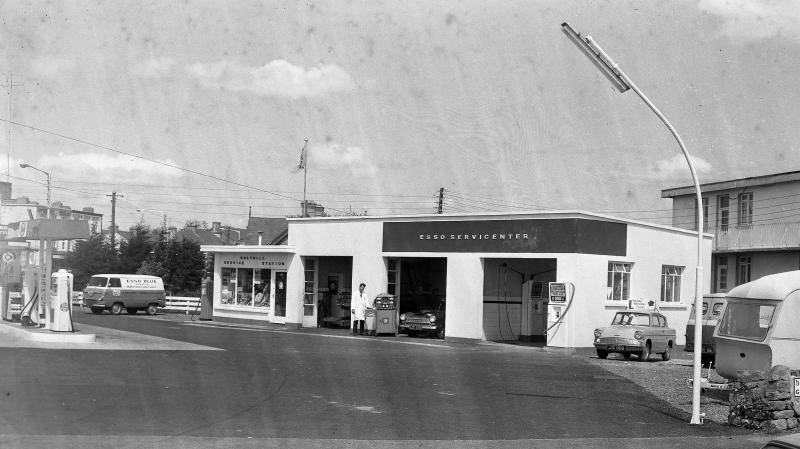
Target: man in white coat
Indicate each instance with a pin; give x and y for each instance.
(358, 309)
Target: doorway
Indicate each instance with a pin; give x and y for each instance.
(279, 304)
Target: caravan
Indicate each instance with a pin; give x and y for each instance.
(759, 327)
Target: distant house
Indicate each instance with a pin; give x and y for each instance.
(754, 221)
(266, 231)
(198, 235)
(228, 235)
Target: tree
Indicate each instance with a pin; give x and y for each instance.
(90, 257)
(136, 250)
(179, 263)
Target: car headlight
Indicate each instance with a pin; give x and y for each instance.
(638, 335)
(402, 317)
(432, 318)
(597, 333)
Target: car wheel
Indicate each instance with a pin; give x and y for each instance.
(97, 310)
(602, 353)
(667, 354)
(440, 334)
(412, 333)
(131, 310)
(116, 309)
(627, 355)
(152, 309)
(644, 354)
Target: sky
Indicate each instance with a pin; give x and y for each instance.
(198, 110)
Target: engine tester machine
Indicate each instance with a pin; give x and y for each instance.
(385, 314)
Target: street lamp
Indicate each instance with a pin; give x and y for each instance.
(24, 165)
(623, 83)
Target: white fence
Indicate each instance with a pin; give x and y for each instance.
(182, 304)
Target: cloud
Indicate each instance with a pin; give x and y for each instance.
(676, 167)
(751, 20)
(155, 68)
(278, 78)
(51, 66)
(107, 168)
(335, 156)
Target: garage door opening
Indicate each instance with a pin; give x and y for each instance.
(420, 286)
(515, 299)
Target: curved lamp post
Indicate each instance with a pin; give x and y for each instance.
(24, 165)
(623, 83)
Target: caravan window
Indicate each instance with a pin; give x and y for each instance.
(747, 320)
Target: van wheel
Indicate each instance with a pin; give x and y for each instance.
(97, 310)
(131, 310)
(116, 309)
(152, 309)
(602, 353)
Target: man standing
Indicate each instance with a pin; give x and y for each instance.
(358, 309)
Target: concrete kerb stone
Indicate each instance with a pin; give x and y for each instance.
(37, 334)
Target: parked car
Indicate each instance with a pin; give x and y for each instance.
(427, 319)
(636, 332)
(713, 308)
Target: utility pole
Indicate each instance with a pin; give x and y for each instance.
(10, 87)
(114, 196)
(441, 200)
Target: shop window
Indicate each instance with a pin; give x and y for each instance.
(245, 287)
(671, 283)
(619, 281)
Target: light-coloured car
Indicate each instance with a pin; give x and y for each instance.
(639, 332)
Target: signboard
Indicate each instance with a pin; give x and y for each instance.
(558, 292)
(551, 235)
(51, 229)
(796, 384)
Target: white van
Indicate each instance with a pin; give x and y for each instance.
(132, 292)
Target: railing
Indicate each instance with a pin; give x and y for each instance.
(181, 304)
(760, 236)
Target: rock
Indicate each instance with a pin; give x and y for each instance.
(796, 407)
(749, 375)
(779, 385)
(782, 414)
(777, 395)
(791, 423)
(779, 405)
(779, 372)
(777, 425)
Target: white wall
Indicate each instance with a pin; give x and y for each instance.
(464, 297)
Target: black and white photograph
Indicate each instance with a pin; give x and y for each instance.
(399, 224)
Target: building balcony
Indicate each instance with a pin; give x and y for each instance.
(771, 236)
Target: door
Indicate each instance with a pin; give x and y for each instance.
(310, 293)
(279, 302)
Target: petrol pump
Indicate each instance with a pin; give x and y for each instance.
(561, 295)
(60, 309)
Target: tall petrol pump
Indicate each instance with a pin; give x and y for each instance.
(561, 295)
(61, 302)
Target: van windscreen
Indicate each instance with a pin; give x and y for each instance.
(747, 320)
(97, 281)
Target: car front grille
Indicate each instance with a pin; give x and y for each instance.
(417, 320)
(615, 341)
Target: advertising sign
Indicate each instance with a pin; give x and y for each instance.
(561, 235)
(558, 292)
(796, 385)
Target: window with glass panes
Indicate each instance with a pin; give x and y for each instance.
(671, 283)
(309, 290)
(743, 270)
(723, 212)
(393, 275)
(619, 280)
(745, 211)
(245, 287)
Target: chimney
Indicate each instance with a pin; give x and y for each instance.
(260, 235)
(215, 225)
(88, 209)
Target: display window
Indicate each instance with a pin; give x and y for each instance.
(246, 287)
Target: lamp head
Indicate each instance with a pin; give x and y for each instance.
(24, 165)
